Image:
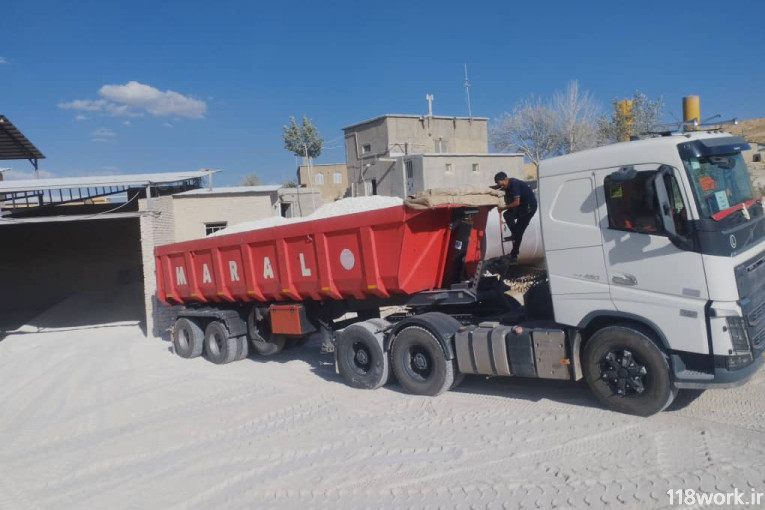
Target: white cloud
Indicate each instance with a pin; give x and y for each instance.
(104, 133)
(3, 61)
(133, 99)
(81, 117)
(84, 104)
(154, 101)
(126, 123)
(167, 125)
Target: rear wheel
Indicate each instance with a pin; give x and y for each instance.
(263, 341)
(188, 338)
(420, 364)
(627, 372)
(361, 359)
(219, 347)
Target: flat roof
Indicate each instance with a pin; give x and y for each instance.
(463, 154)
(230, 190)
(409, 116)
(13, 144)
(11, 186)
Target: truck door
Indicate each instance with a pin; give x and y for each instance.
(649, 276)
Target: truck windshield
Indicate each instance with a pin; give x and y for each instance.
(719, 182)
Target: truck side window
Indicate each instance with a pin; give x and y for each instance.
(632, 204)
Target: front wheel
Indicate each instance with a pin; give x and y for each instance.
(627, 372)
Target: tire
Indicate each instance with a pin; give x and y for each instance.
(360, 357)
(242, 347)
(188, 338)
(262, 340)
(631, 350)
(420, 364)
(219, 347)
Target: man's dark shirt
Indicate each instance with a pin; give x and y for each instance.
(518, 188)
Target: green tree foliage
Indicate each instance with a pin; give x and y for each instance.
(633, 116)
(251, 179)
(302, 139)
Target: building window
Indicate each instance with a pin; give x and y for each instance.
(318, 179)
(449, 168)
(337, 178)
(441, 146)
(476, 167)
(366, 148)
(409, 170)
(214, 227)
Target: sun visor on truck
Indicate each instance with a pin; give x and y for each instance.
(713, 146)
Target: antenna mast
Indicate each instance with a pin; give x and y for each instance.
(467, 92)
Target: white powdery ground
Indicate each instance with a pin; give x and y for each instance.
(99, 417)
(338, 208)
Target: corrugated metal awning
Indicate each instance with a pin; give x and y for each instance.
(14, 145)
(101, 181)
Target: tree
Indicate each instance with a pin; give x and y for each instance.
(291, 183)
(531, 129)
(250, 179)
(302, 139)
(577, 114)
(630, 117)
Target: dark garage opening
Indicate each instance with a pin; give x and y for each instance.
(77, 272)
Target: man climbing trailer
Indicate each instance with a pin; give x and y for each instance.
(640, 313)
(520, 206)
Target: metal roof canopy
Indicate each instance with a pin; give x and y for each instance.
(101, 181)
(14, 145)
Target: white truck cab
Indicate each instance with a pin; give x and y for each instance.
(655, 250)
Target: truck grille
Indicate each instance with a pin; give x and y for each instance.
(756, 315)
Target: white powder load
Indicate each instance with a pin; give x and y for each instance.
(341, 207)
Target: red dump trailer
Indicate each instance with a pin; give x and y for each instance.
(263, 289)
(379, 253)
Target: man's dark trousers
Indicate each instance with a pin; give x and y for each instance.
(519, 223)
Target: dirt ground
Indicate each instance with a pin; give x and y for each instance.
(102, 418)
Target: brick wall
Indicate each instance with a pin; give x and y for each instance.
(157, 228)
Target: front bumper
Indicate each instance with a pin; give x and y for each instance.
(722, 377)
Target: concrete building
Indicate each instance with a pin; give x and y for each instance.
(398, 155)
(202, 211)
(330, 179)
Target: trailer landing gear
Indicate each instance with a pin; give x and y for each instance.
(263, 341)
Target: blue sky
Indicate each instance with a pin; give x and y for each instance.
(129, 87)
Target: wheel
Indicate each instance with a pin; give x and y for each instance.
(420, 364)
(627, 372)
(188, 338)
(219, 347)
(361, 359)
(242, 347)
(259, 330)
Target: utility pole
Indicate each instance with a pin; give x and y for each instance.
(467, 93)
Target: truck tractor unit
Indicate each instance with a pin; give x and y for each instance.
(655, 257)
